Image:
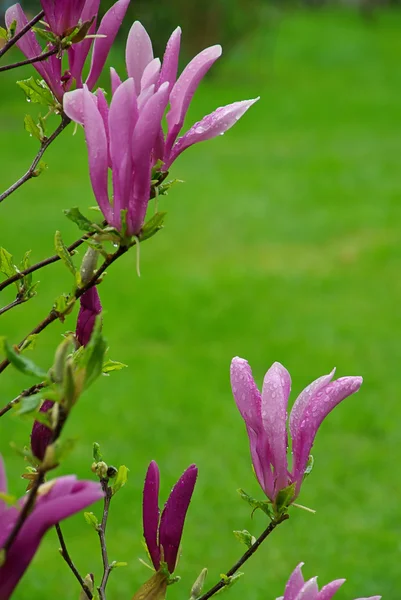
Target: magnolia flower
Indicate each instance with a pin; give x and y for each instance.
(41, 435)
(163, 533)
(61, 17)
(298, 589)
(57, 500)
(265, 416)
(128, 138)
(90, 308)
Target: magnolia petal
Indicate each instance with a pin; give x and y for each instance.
(28, 43)
(275, 393)
(173, 516)
(184, 89)
(78, 53)
(96, 142)
(294, 584)
(115, 80)
(303, 400)
(144, 96)
(90, 308)
(122, 118)
(138, 54)
(309, 590)
(328, 591)
(150, 74)
(73, 105)
(217, 123)
(170, 59)
(151, 513)
(109, 26)
(319, 406)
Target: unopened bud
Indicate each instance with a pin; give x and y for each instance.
(88, 266)
(90, 307)
(89, 582)
(41, 435)
(197, 587)
(112, 472)
(101, 469)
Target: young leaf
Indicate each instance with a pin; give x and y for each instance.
(32, 128)
(6, 263)
(284, 497)
(93, 356)
(112, 365)
(121, 479)
(3, 34)
(263, 505)
(97, 455)
(37, 91)
(30, 404)
(63, 253)
(152, 226)
(245, 537)
(75, 215)
(23, 364)
(91, 519)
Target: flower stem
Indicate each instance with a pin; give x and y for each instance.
(102, 538)
(30, 61)
(29, 392)
(16, 302)
(65, 554)
(220, 584)
(31, 172)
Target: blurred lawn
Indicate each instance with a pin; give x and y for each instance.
(284, 244)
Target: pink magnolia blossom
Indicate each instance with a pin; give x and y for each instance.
(299, 589)
(128, 138)
(57, 500)
(62, 16)
(265, 416)
(163, 533)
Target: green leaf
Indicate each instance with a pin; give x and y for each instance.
(112, 365)
(164, 188)
(40, 168)
(284, 498)
(36, 91)
(121, 479)
(255, 504)
(45, 34)
(230, 581)
(92, 520)
(8, 499)
(245, 537)
(116, 564)
(12, 29)
(93, 356)
(70, 391)
(97, 455)
(75, 215)
(29, 342)
(152, 226)
(6, 263)
(309, 465)
(62, 251)
(32, 128)
(20, 362)
(3, 34)
(62, 448)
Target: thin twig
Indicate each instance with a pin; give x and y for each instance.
(23, 31)
(65, 554)
(30, 61)
(222, 583)
(44, 263)
(102, 538)
(29, 392)
(31, 172)
(54, 315)
(12, 304)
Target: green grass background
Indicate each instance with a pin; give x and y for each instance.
(283, 244)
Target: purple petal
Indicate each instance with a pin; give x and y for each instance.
(170, 60)
(115, 80)
(319, 406)
(184, 89)
(173, 516)
(151, 513)
(48, 7)
(103, 108)
(151, 74)
(73, 105)
(275, 393)
(78, 53)
(96, 142)
(328, 591)
(309, 591)
(109, 26)
(303, 400)
(248, 400)
(66, 497)
(217, 123)
(122, 119)
(143, 142)
(144, 96)
(90, 307)
(41, 435)
(294, 584)
(138, 54)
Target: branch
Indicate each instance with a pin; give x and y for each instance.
(12, 304)
(222, 583)
(54, 315)
(102, 538)
(31, 172)
(23, 31)
(44, 263)
(68, 560)
(29, 392)
(29, 61)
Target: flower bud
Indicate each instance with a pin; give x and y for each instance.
(41, 435)
(89, 309)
